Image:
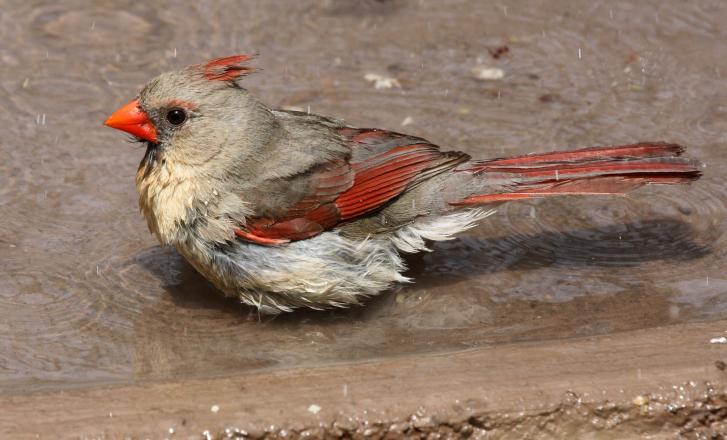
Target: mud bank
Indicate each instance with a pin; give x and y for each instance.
(658, 383)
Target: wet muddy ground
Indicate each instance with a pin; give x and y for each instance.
(89, 300)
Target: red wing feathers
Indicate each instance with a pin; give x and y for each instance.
(384, 176)
(387, 165)
(312, 214)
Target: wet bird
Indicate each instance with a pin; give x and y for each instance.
(283, 209)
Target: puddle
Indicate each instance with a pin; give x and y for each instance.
(87, 296)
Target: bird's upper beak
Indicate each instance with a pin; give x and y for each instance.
(132, 119)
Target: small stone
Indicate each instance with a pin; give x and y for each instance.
(641, 400)
(314, 409)
(215, 408)
(422, 422)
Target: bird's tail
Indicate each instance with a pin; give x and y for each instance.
(589, 171)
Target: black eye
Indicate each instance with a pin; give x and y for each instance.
(176, 116)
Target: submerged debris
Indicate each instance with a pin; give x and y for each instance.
(382, 82)
(488, 73)
(549, 97)
(497, 52)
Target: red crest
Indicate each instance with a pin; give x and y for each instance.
(228, 68)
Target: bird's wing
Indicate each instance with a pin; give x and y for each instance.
(382, 166)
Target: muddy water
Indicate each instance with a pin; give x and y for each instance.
(87, 296)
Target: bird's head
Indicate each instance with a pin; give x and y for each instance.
(189, 115)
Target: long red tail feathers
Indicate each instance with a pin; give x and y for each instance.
(589, 171)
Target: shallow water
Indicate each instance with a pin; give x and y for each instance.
(87, 295)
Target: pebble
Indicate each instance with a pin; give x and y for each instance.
(641, 400)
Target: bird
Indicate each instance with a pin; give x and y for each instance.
(283, 209)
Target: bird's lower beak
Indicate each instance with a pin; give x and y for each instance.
(132, 119)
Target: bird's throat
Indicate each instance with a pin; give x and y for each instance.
(164, 198)
(150, 159)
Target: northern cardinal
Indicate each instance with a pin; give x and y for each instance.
(284, 209)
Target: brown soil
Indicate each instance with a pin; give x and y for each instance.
(661, 383)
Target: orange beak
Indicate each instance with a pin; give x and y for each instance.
(132, 119)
